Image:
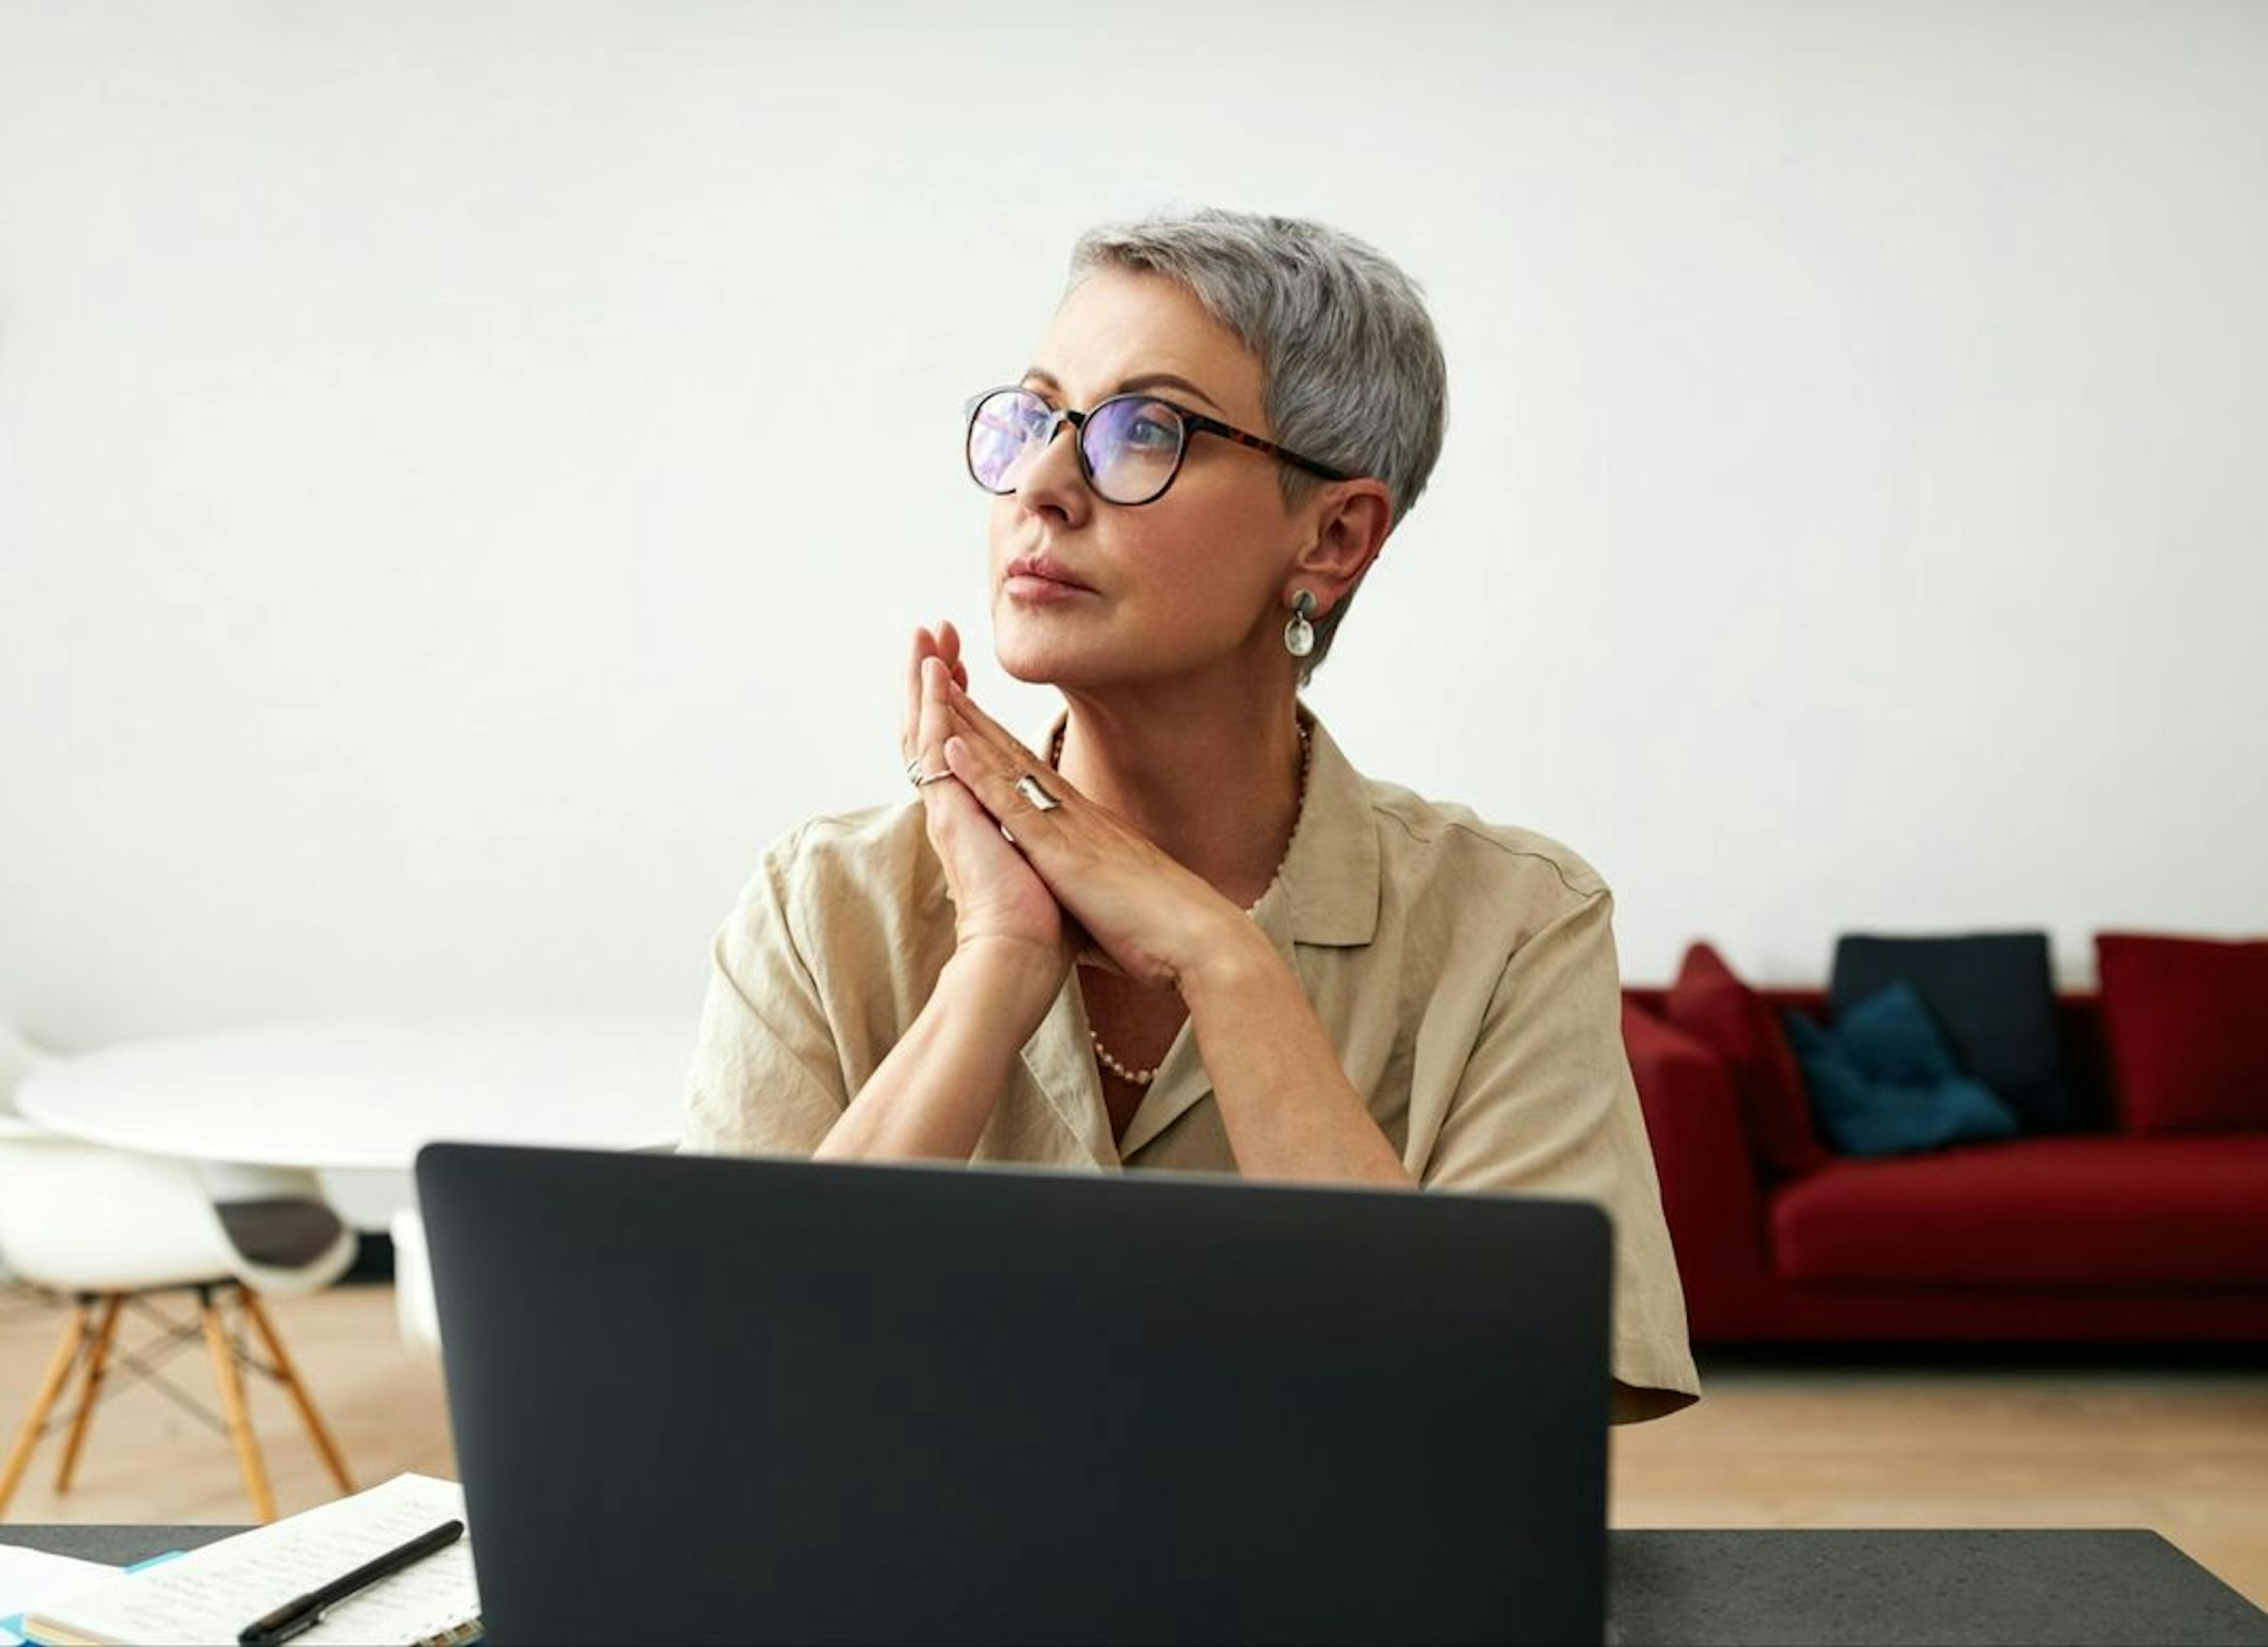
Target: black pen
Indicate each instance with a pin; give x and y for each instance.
(307, 1611)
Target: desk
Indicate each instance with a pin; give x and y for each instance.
(1899, 1587)
(367, 1096)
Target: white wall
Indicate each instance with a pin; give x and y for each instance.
(467, 472)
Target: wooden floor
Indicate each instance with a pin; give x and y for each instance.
(1808, 1443)
(146, 1458)
(2040, 1441)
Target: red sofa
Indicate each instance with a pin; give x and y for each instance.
(2092, 1235)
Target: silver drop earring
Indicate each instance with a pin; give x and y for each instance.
(1299, 634)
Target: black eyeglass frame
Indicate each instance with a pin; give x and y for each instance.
(1193, 422)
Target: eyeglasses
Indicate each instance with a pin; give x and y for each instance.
(1131, 447)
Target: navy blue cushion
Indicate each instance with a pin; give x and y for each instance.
(1994, 996)
(1883, 1081)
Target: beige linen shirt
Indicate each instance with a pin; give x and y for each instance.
(1465, 971)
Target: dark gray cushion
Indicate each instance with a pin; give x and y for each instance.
(282, 1234)
(1994, 996)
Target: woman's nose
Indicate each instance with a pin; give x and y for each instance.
(1051, 482)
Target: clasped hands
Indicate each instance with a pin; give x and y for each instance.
(1073, 883)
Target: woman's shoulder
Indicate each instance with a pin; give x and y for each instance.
(878, 859)
(843, 837)
(1446, 846)
(844, 918)
(878, 845)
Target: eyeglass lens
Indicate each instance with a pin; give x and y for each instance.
(1131, 446)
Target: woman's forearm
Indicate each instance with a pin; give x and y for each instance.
(1289, 1109)
(932, 1095)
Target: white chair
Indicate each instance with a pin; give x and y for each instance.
(413, 1308)
(17, 1058)
(108, 1227)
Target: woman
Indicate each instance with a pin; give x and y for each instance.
(1185, 932)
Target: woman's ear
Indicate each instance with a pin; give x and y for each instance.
(1351, 521)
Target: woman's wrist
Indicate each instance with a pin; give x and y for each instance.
(1225, 958)
(1017, 982)
(934, 1092)
(1283, 1097)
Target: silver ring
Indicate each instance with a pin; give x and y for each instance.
(1028, 787)
(929, 777)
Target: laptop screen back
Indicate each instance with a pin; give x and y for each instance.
(725, 1400)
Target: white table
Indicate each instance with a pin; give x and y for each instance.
(355, 1102)
(367, 1096)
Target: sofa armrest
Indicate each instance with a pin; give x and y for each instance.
(1711, 1196)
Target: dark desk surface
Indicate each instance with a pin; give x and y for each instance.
(1900, 1587)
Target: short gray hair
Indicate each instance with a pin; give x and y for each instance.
(1350, 370)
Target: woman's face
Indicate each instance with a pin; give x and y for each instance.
(1188, 582)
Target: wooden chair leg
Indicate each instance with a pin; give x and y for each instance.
(297, 1391)
(98, 1364)
(240, 1420)
(58, 1374)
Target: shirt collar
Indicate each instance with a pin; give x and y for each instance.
(1329, 878)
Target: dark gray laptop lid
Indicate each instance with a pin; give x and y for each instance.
(724, 1400)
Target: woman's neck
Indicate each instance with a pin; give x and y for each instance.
(1212, 778)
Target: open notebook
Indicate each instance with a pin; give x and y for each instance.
(210, 1594)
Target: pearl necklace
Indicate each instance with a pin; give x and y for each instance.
(1144, 1077)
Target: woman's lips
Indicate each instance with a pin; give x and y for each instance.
(1037, 590)
(1039, 580)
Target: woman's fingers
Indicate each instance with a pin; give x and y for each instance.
(990, 761)
(993, 735)
(949, 647)
(936, 718)
(944, 644)
(993, 777)
(908, 729)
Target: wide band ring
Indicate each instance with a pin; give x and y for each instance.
(1028, 787)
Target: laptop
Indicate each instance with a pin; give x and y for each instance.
(713, 1400)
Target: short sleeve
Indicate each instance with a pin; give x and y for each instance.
(1546, 1105)
(766, 1078)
